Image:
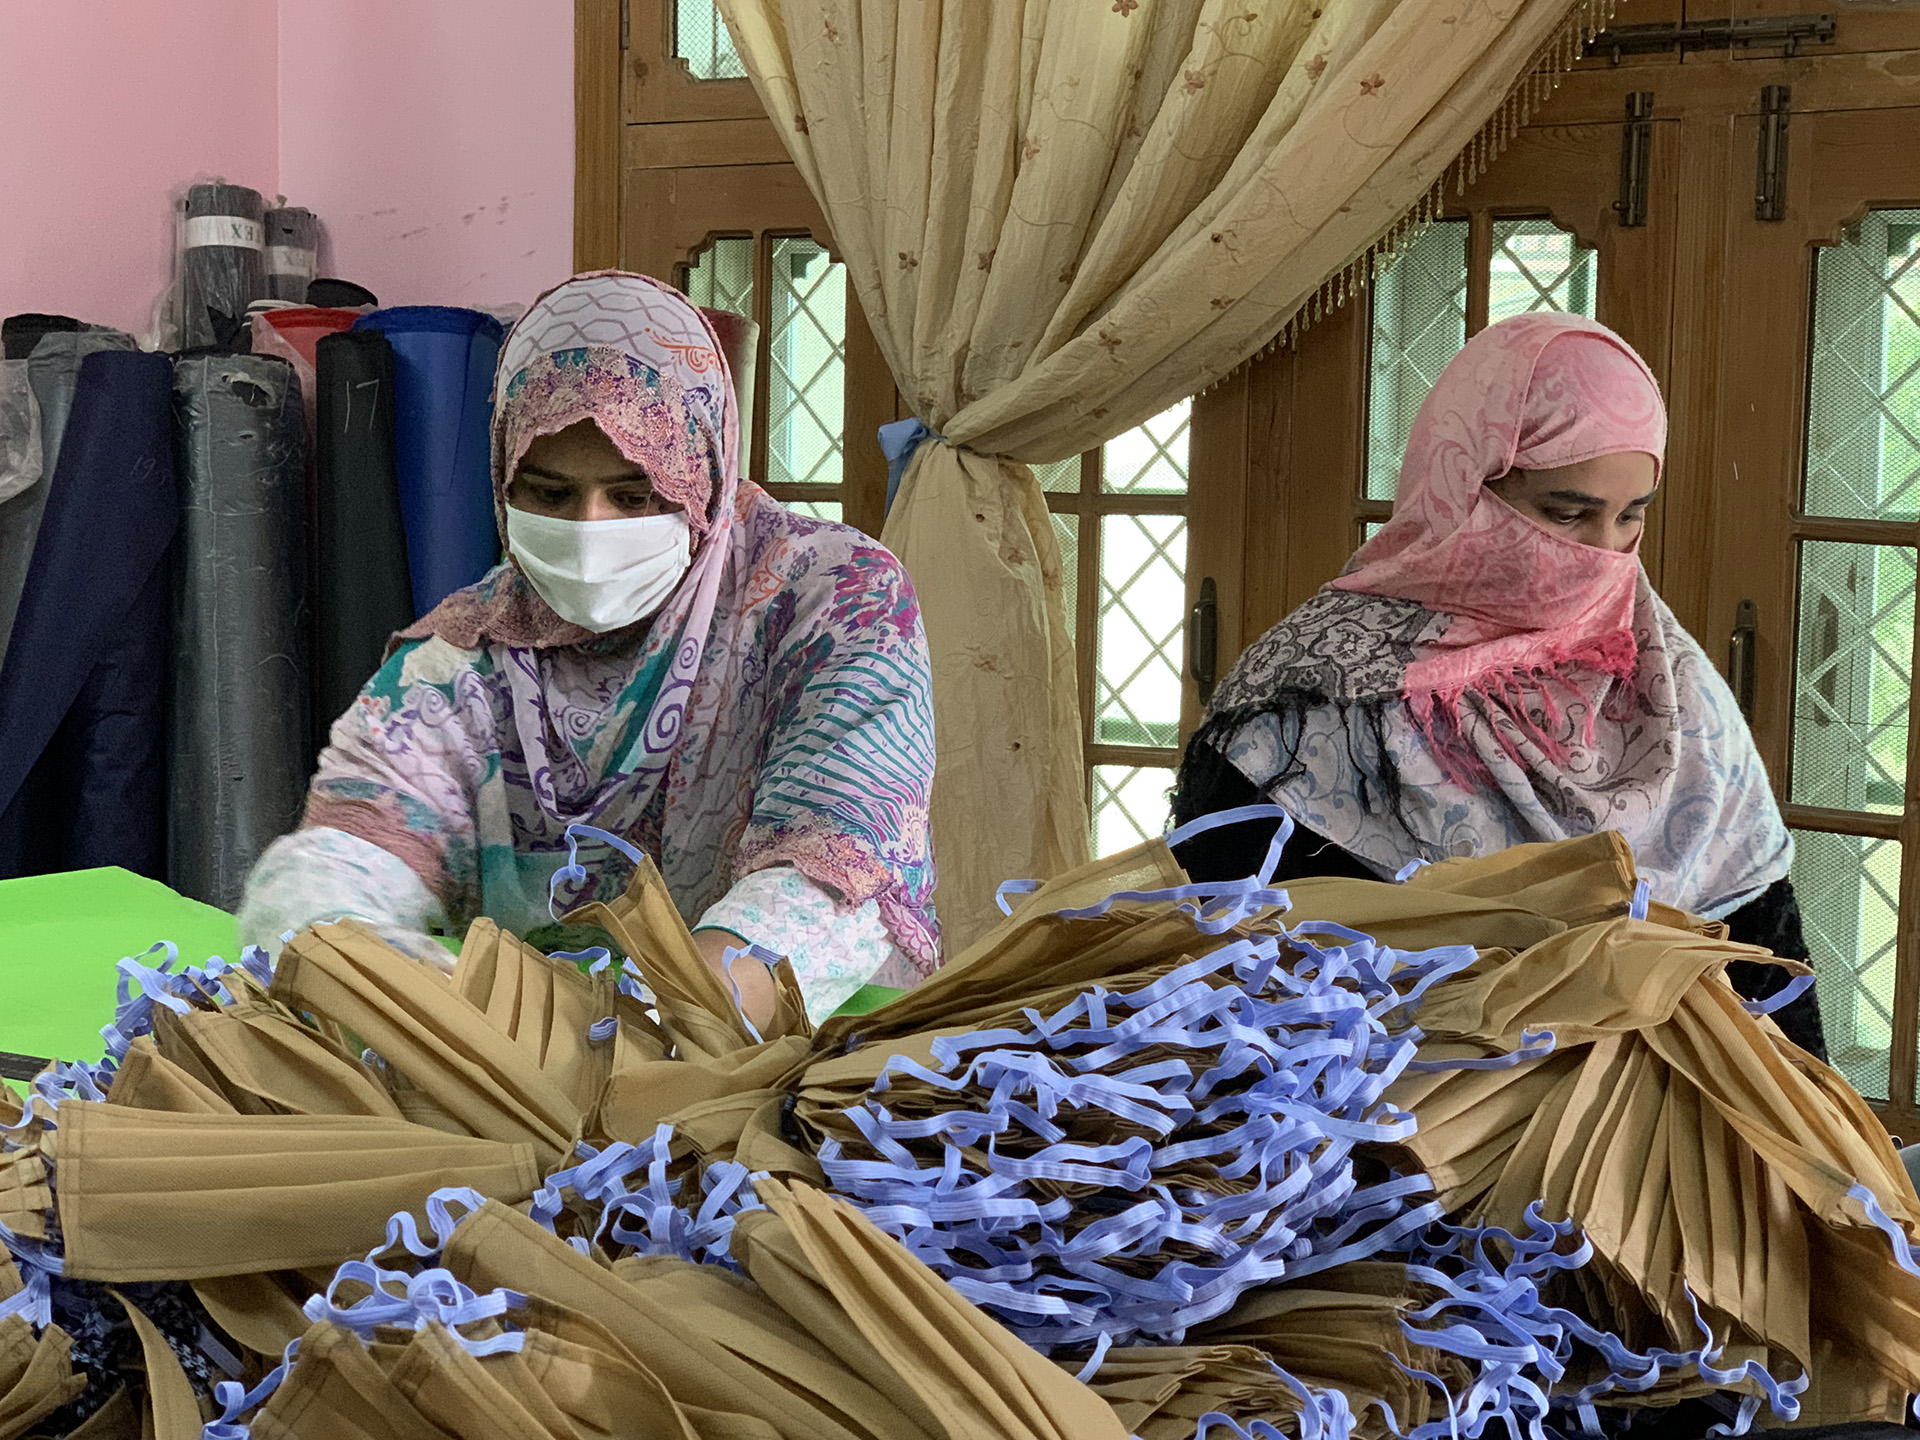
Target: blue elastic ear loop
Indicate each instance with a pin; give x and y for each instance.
(573, 871)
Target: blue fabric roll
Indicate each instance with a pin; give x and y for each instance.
(444, 361)
(83, 734)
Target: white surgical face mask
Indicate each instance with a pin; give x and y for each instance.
(602, 574)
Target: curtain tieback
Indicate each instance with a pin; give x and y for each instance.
(898, 440)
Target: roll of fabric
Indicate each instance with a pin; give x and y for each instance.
(82, 695)
(53, 374)
(293, 252)
(444, 361)
(331, 292)
(222, 270)
(238, 723)
(20, 333)
(363, 592)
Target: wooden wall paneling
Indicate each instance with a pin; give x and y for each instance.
(871, 401)
(1269, 489)
(1328, 457)
(1717, 86)
(1689, 510)
(1217, 468)
(1761, 406)
(1856, 31)
(670, 213)
(660, 86)
(596, 134)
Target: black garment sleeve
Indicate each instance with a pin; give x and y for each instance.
(1210, 784)
(1772, 921)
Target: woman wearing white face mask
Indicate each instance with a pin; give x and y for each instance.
(667, 655)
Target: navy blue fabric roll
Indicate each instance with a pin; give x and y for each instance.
(83, 739)
(444, 361)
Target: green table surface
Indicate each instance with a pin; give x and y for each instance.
(62, 938)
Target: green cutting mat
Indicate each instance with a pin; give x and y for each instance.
(61, 937)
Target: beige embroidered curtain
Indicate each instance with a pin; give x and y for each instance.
(1062, 216)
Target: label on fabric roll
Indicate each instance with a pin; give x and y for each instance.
(229, 230)
(290, 260)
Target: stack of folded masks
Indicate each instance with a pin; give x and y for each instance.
(1151, 1159)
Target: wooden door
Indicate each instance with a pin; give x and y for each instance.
(1817, 495)
(1539, 230)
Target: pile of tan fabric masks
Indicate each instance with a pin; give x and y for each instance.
(345, 1196)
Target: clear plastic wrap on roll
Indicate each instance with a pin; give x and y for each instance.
(239, 725)
(53, 374)
(293, 253)
(222, 264)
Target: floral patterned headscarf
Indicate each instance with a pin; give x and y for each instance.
(776, 711)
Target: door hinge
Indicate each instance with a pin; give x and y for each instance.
(626, 25)
(1770, 187)
(1786, 31)
(1636, 159)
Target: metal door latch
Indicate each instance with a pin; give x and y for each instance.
(1636, 159)
(1743, 647)
(1203, 626)
(1770, 189)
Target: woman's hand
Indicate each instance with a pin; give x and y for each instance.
(754, 979)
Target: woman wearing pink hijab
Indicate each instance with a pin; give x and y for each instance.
(1493, 668)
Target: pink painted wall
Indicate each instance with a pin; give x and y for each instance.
(108, 109)
(434, 138)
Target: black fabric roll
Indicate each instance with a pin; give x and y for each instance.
(238, 721)
(83, 694)
(363, 592)
(293, 246)
(53, 373)
(340, 295)
(222, 264)
(20, 333)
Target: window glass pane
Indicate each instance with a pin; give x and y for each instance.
(1419, 324)
(1066, 531)
(700, 38)
(1849, 890)
(807, 385)
(721, 275)
(1129, 805)
(1852, 688)
(817, 509)
(1150, 459)
(1863, 415)
(1143, 594)
(1539, 266)
(1370, 528)
(1062, 477)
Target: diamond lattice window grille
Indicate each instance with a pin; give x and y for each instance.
(700, 38)
(1419, 324)
(807, 390)
(1142, 619)
(1863, 416)
(1848, 887)
(1538, 266)
(720, 275)
(1130, 805)
(1150, 459)
(1853, 686)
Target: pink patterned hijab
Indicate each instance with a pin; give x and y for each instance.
(1474, 680)
(1532, 393)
